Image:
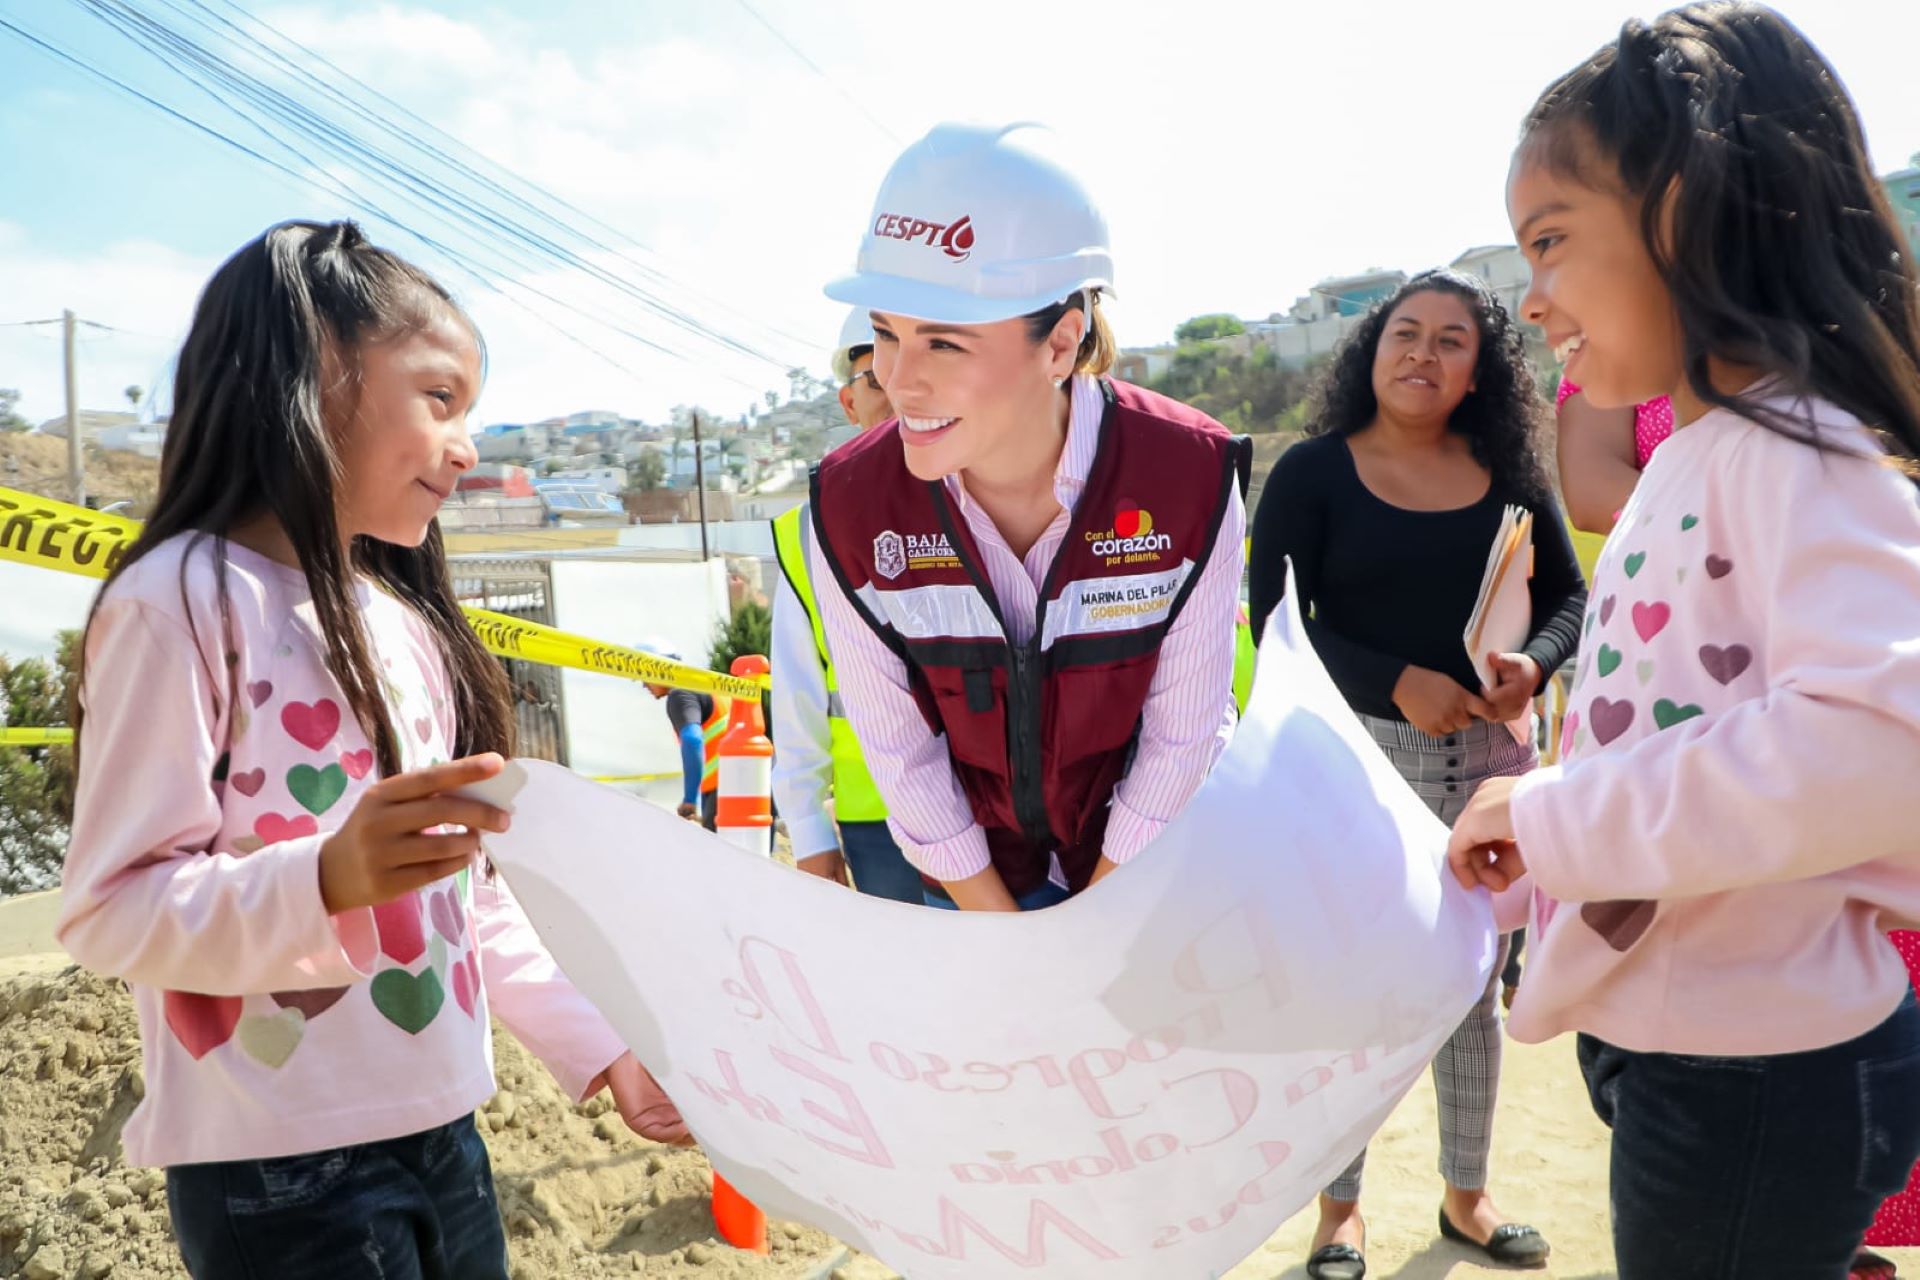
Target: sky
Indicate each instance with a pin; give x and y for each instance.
(1242, 151)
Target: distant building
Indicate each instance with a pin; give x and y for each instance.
(1903, 189)
(92, 423)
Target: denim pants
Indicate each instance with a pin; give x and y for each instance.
(1756, 1167)
(879, 869)
(1047, 895)
(420, 1207)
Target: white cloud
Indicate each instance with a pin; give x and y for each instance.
(145, 291)
(1242, 151)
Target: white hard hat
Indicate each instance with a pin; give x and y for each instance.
(658, 648)
(856, 332)
(978, 223)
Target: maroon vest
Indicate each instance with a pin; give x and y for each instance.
(1039, 733)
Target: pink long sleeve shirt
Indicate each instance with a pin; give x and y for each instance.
(269, 1028)
(1186, 723)
(1715, 866)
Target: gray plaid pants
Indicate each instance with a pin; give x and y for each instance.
(1445, 772)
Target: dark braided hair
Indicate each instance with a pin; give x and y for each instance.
(1759, 207)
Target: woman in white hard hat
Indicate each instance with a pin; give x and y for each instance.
(1029, 579)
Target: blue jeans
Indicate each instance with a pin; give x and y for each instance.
(1047, 895)
(1762, 1166)
(879, 869)
(420, 1207)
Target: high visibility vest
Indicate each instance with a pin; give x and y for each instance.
(855, 797)
(711, 732)
(1244, 654)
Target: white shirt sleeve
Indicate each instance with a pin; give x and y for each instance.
(803, 756)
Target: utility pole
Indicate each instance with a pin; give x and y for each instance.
(700, 485)
(76, 454)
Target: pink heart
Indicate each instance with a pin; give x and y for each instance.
(260, 691)
(424, 727)
(448, 918)
(250, 782)
(356, 763)
(1725, 665)
(201, 1023)
(311, 726)
(310, 1003)
(1606, 610)
(1568, 729)
(466, 982)
(1609, 719)
(1650, 620)
(273, 828)
(402, 935)
(1718, 567)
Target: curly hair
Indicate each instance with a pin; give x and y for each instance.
(1502, 418)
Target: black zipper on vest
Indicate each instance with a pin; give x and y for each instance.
(1024, 703)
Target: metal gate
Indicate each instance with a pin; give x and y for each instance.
(521, 589)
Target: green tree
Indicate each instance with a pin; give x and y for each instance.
(749, 630)
(1207, 328)
(648, 471)
(36, 783)
(10, 419)
(1245, 392)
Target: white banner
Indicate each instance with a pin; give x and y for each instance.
(1139, 1084)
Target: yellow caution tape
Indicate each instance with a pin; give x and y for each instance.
(54, 535)
(34, 737)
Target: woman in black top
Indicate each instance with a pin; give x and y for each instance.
(1425, 428)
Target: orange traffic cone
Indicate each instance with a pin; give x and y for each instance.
(744, 817)
(740, 1221)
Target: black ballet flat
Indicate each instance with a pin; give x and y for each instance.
(1512, 1245)
(1337, 1262)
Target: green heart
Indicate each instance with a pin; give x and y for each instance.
(316, 789)
(1644, 670)
(437, 954)
(271, 1040)
(1609, 660)
(1634, 562)
(409, 1002)
(1591, 619)
(462, 878)
(1687, 522)
(1666, 714)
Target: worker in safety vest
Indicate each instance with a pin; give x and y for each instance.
(1029, 578)
(698, 721)
(817, 756)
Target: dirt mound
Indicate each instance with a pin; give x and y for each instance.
(581, 1196)
(38, 464)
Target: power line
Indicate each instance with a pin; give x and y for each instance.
(191, 62)
(815, 67)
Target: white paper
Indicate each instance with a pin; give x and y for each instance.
(1142, 1083)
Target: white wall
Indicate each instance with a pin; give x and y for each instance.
(614, 726)
(724, 537)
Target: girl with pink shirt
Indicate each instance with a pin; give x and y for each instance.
(279, 698)
(1602, 453)
(1713, 871)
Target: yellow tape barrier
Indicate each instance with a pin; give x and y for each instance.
(34, 737)
(54, 535)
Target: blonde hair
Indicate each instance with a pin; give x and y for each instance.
(1098, 350)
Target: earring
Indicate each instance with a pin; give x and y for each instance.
(1059, 383)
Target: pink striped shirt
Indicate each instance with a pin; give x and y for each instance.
(1186, 723)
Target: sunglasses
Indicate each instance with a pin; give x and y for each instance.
(865, 375)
